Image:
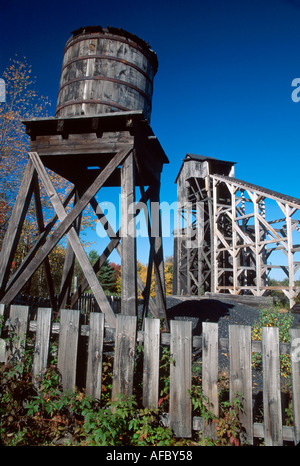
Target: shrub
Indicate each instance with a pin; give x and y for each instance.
(274, 318)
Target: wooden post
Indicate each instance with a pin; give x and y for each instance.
(295, 366)
(67, 347)
(181, 378)
(125, 340)
(271, 387)
(42, 339)
(151, 363)
(240, 373)
(128, 242)
(210, 365)
(95, 351)
(18, 324)
(2, 341)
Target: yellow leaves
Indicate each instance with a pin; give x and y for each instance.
(168, 273)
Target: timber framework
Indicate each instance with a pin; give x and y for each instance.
(233, 233)
(123, 152)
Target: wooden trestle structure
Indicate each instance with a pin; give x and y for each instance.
(124, 152)
(234, 233)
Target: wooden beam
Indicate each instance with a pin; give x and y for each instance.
(41, 229)
(39, 243)
(68, 266)
(128, 242)
(74, 241)
(64, 226)
(14, 229)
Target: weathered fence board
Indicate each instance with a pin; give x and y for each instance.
(42, 339)
(18, 323)
(68, 346)
(2, 341)
(181, 378)
(180, 339)
(125, 341)
(271, 384)
(95, 351)
(151, 363)
(240, 381)
(295, 366)
(210, 356)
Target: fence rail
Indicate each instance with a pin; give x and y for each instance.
(181, 341)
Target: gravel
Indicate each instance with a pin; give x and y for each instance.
(224, 313)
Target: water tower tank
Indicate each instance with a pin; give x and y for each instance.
(106, 70)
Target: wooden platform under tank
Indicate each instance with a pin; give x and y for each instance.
(77, 147)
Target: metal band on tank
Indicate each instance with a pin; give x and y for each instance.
(104, 78)
(90, 101)
(74, 41)
(108, 57)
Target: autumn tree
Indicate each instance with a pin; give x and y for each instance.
(142, 270)
(23, 101)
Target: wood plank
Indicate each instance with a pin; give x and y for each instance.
(95, 353)
(67, 347)
(151, 363)
(39, 243)
(271, 387)
(18, 325)
(295, 367)
(41, 229)
(240, 378)
(78, 249)
(13, 232)
(65, 225)
(128, 241)
(66, 281)
(180, 407)
(2, 340)
(210, 365)
(41, 347)
(125, 340)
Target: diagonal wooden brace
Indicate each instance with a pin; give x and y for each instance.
(74, 241)
(17, 218)
(65, 225)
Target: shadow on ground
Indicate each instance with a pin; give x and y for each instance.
(204, 310)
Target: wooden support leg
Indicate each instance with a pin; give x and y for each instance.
(41, 228)
(75, 242)
(160, 288)
(128, 242)
(39, 243)
(68, 267)
(13, 232)
(64, 226)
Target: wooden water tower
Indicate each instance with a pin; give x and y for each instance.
(102, 121)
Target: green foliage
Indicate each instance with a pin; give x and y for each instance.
(274, 317)
(228, 426)
(39, 412)
(121, 422)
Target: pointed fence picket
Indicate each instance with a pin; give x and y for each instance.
(125, 337)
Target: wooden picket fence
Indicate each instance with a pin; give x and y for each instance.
(126, 337)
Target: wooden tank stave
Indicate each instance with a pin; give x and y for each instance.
(105, 73)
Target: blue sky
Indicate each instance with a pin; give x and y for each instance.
(223, 86)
